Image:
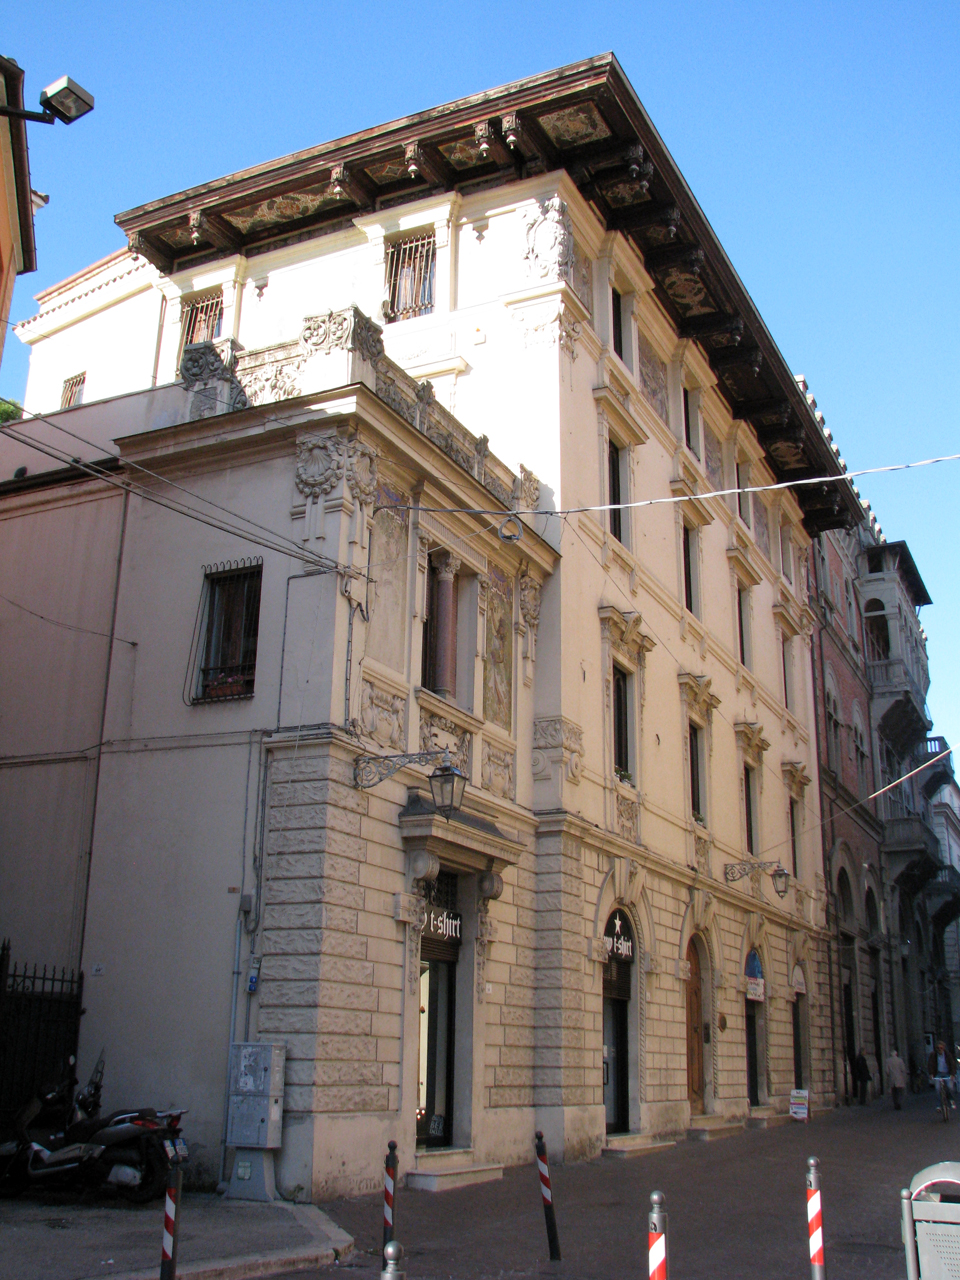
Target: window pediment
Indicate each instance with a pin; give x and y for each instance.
(795, 776)
(695, 691)
(742, 560)
(750, 740)
(624, 634)
(685, 484)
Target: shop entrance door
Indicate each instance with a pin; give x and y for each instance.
(617, 971)
(439, 951)
(695, 1079)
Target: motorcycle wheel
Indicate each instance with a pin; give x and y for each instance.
(153, 1173)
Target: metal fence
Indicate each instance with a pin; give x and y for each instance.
(40, 1012)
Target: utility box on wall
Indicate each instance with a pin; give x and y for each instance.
(255, 1113)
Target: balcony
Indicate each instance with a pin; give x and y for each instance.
(939, 774)
(943, 897)
(899, 704)
(911, 852)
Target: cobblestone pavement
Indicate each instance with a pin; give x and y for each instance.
(737, 1207)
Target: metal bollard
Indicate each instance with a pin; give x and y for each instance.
(818, 1269)
(389, 1185)
(657, 1237)
(553, 1240)
(392, 1254)
(171, 1222)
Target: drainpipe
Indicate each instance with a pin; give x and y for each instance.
(103, 721)
(828, 867)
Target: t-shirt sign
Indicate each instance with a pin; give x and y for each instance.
(618, 937)
(442, 925)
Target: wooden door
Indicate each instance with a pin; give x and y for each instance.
(694, 1031)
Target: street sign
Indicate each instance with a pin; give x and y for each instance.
(800, 1104)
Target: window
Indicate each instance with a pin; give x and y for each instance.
(691, 423)
(743, 624)
(201, 320)
(743, 499)
(749, 808)
(851, 609)
(877, 631)
(787, 672)
(411, 269)
(691, 593)
(697, 795)
(439, 654)
(72, 393)
(875, 560)
(230, 643)
(614, 463)
(833, 732)
(860, 751)
(621, 724)
(786, 554)
(794, 836)
(617, 331)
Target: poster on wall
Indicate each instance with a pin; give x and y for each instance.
(755, 989)
(800, 1104)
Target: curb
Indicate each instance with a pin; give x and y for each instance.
(331, 1244)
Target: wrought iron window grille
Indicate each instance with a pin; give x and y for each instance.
(411, 276)
(223, 654)
(201, 320)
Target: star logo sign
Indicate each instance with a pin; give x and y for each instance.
(616, 924)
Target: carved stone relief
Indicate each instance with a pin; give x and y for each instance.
(628, 818)
(549, 234)
(498, 771)
(438, 732)
(559, 734)
(213, 384)
(320, 464)
(652, 377)
(382, 715)
(529, 495)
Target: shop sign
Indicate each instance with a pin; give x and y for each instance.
(798, 981)
(800, 1104)
(618, 938)
(755, 988)
(443, 925)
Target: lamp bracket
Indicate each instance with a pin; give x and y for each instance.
(369, 770)
(18, 113)
(737, 870)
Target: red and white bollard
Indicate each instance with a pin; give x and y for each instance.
(657, 1237)
(390, 1165)
(818, 1269)
(553, 1239)
(171, 1222)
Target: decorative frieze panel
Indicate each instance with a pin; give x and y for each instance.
(213, 384)
(652, 377)
(322, 462)
(498, 771)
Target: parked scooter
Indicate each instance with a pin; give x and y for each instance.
(62, 1140)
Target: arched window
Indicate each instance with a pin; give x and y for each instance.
(873, 915)
(877, 631)
(833, 727)
(860, 751)
(845, 896)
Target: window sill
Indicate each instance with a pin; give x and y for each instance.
(213, 699)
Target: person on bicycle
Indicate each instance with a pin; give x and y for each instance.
(942, 1066)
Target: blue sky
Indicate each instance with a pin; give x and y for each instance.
(820, 139)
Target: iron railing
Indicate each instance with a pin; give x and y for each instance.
(40, 1012)
(411, 277)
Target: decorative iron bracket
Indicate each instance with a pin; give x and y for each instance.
(737, 870)
(369, 770)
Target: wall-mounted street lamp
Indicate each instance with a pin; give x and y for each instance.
(63, 100)
(737, 870)
(447, 783)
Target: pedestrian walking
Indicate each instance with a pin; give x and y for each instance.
(861, 1076)
(897, 1075)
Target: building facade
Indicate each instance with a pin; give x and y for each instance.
(891, 893)
(433, 449)
(18, 253)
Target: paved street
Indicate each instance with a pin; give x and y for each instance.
(737, 1206)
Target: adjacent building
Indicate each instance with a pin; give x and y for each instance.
(18, 253)
(425, 439)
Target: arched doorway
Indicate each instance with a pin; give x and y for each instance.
(617, 982)
(696, 1080)
(798, 982)
(753, 1008)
